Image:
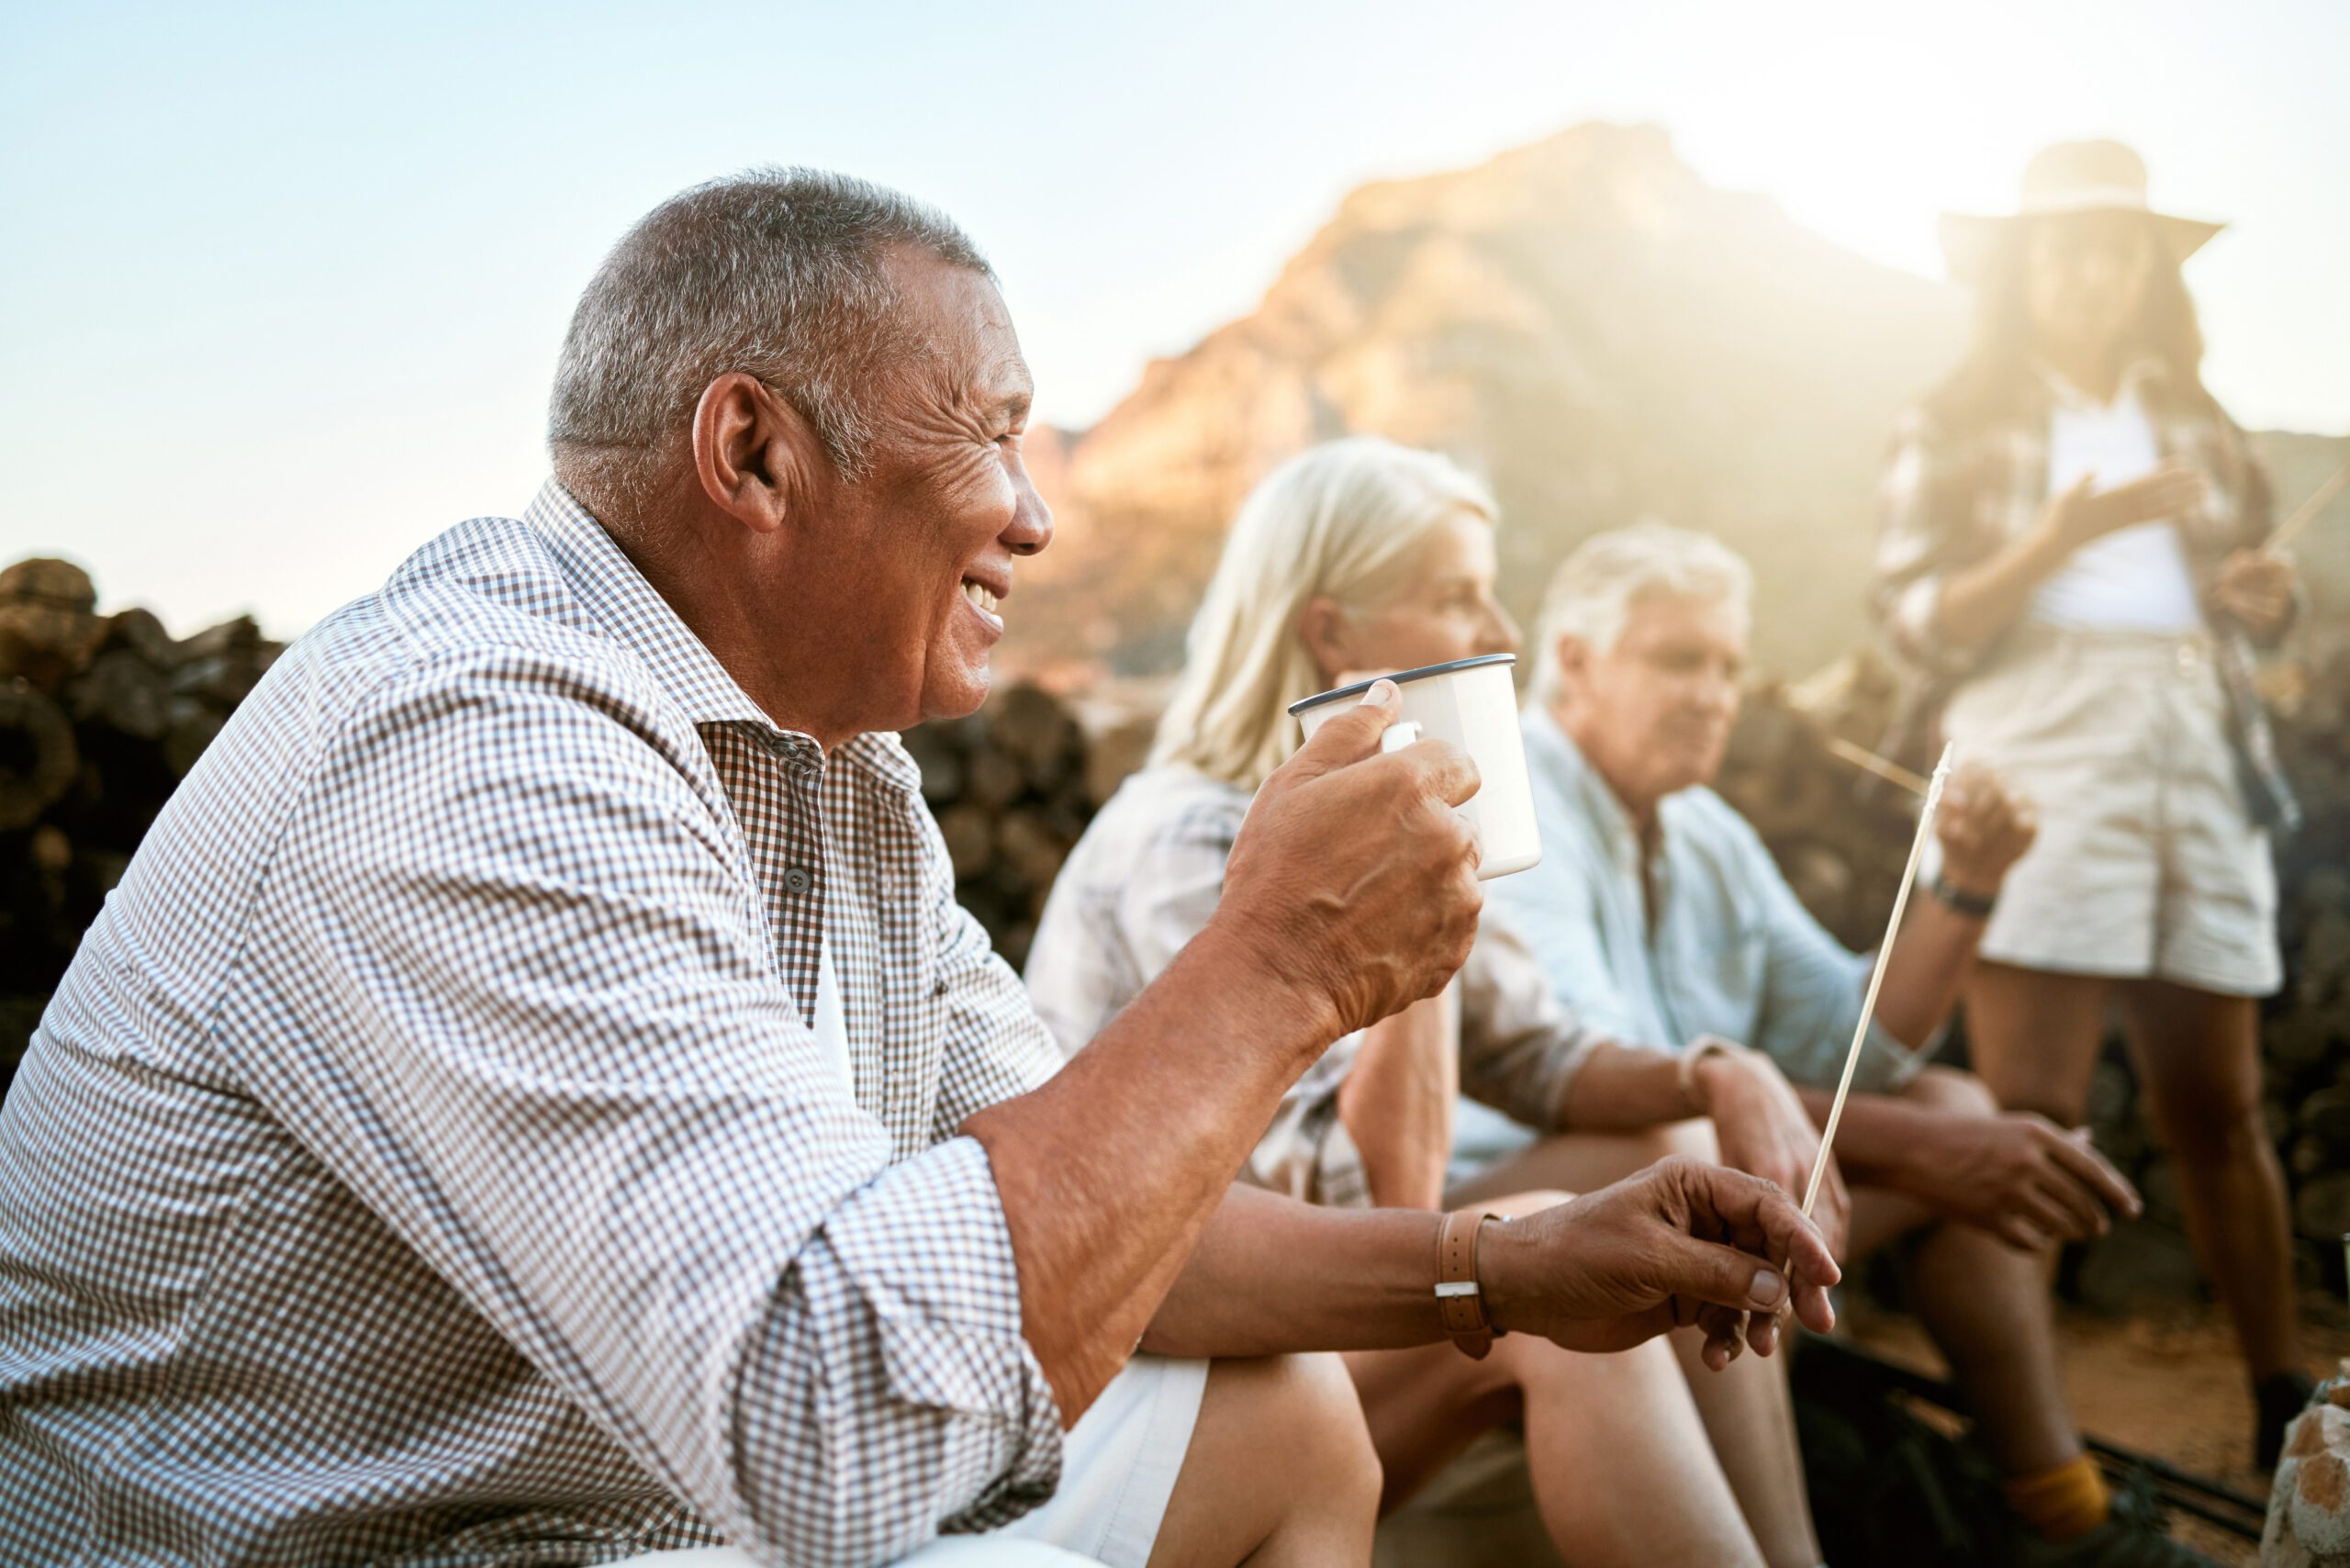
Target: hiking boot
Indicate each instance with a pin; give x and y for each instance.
(2132, 1538)
(2274, 1402)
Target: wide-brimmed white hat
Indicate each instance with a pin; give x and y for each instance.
(2071, 176)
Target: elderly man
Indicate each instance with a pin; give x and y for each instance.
(1660, 916)
(533, 1098)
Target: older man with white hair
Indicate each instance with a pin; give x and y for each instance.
(533, 1097)
(1661, 917)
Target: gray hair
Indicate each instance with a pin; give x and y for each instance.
(779, 273)
(1591, 594)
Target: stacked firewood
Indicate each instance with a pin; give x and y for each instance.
(1011, 790)
(100, 718)
(1842, 840)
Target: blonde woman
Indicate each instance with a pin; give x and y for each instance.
(1361, 555)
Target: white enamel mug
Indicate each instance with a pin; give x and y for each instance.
(1473, 705)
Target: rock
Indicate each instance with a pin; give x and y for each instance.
(2308, 1505)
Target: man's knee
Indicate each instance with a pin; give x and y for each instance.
(1302, 1413)
(1946, 1089)
(1693, 1137)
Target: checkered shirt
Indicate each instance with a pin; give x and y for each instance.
(428, 1159)
(1143, 880)
(1954, 493)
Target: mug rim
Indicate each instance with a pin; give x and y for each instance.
(1399, 678)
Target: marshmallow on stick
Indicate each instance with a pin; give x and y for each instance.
(1877, 978)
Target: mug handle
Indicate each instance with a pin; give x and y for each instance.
(1398, 735)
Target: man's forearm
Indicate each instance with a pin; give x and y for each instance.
(1625, 1088)
(1879, 1137)
(1933, 957)
(1271, 1275)
(1108, 1172)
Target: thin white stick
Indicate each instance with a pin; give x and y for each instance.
(2308, 509)
(1876, 978)
(1891, 772)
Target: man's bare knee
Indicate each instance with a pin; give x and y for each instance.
(1693, 1137)
(1949, 1089)
(1301, 1413)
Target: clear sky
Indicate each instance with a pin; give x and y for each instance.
(281, 287)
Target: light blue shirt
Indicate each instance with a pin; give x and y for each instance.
(1732, 951)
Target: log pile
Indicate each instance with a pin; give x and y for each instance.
(1012, 793)
(100, 718)
(1841, 843)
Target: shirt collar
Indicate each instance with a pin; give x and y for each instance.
(1553, 751)
(633, 611)
(2139, 374)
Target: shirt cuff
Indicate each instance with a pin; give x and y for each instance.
(910, 1318)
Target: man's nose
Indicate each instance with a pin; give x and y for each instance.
(1032, 520)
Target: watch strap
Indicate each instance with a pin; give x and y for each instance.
(1950, 896)
(1460, 1304)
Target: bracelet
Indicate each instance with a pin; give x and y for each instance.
(1958, 900)
(1686, 1071)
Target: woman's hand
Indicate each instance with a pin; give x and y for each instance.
(2082, 514)
(1763, 1130)
(1983, 829)
(1680, 1242)
(2254, 590)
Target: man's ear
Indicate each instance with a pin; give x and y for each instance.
(1326, 635)
(1572, 656)
(753, 455)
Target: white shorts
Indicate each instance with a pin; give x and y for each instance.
(1118, 1469)
(2147, 864)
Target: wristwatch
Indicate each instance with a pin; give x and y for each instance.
(1459, 1302)
(1951, 897)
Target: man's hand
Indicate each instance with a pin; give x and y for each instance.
(2254, 590)
(1354, 882)
(1984, 830)
(2082, 513)
(1765, 1131)
(1680, 1242)
(2019, 1176)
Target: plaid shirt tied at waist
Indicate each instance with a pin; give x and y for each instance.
(428, 1157)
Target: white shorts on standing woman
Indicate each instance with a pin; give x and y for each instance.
(2147, 863)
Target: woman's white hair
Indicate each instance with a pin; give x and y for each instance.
(1591, 594)
(1337, 522)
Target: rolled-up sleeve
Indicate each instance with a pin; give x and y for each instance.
(552, 1054)
(1813, 987)
(1520, 1046)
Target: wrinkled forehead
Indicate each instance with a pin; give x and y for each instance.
(960, 348)
(1659, 615)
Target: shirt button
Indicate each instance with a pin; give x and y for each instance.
(798, 880)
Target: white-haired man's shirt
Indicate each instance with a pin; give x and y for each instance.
(1716, 943)
(428, 1157)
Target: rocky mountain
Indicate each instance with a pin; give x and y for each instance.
(1582, 320)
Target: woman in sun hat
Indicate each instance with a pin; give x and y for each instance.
(2072, 558)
